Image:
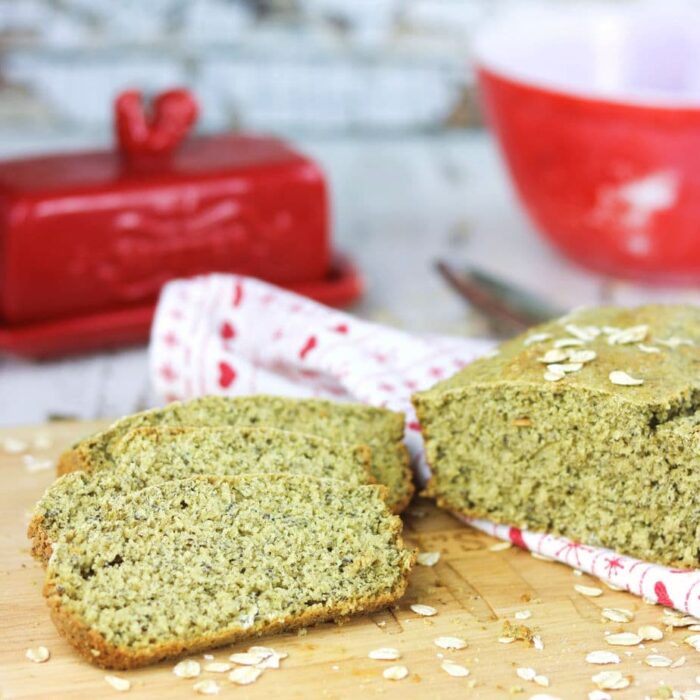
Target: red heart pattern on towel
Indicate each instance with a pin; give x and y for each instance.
(228, 332)
(662, 595)
(227, 375)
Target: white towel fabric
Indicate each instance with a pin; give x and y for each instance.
(233, 335)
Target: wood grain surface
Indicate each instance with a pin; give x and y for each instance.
(473, 588)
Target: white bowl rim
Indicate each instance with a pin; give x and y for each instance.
(542, 20)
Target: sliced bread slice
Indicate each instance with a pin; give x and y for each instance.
(205, 561)
(343, 423)
(148, 456)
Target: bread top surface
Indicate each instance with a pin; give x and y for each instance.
(185, 558)
(668, 360)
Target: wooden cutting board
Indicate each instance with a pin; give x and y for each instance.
(473, 588)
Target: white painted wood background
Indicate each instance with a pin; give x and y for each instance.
(398, 205)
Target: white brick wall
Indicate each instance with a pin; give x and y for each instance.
(283, 65)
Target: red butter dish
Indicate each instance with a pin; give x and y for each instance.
(88, 239)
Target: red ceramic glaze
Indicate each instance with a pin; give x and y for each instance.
(95, 235)
(131, 325)
(607, 167)
(87, 232)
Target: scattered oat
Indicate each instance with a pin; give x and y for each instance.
(541, 680)
(690, 695)
(650, 633)
(599, 695)
(565, 367)
(588, 591)
(674, 619)
(385, 654)
(680, 661)
(544, 696)
(395, 673)
(450, 643)
(610, 680)
(189, 668)
(14, 446)
(526, 673)
(567, 343)
(500, 546)
(694, 628)
(208, 657)
(208, 687)
(506, 640)
(536, 338)
(523, 615)
(674, 342)
(537, 642)
(121, 685)
(425, 610)
(623, 639)
(38, 655)
(617, 614)
(272, 661)
(647, 348)
(657, 661)
(602, 657)
(244, 675)
(625, 336)
(553, 376)
(553, 356)
(585, 333)
(693, 641)
(541, 557)
(428, 558)
(453, 669)
(246, 658)
(623, 379)
(217, 667)
(268, 651)
(613, 587)
(32, 464)
(582, 356)
(42, 441)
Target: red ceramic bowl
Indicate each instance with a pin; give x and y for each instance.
(597, 113)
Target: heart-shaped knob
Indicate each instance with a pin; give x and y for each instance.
(143, 134)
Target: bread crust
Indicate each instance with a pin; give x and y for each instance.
(72, 460)
(41, 547)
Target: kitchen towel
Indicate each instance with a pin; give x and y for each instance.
(233, 335)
